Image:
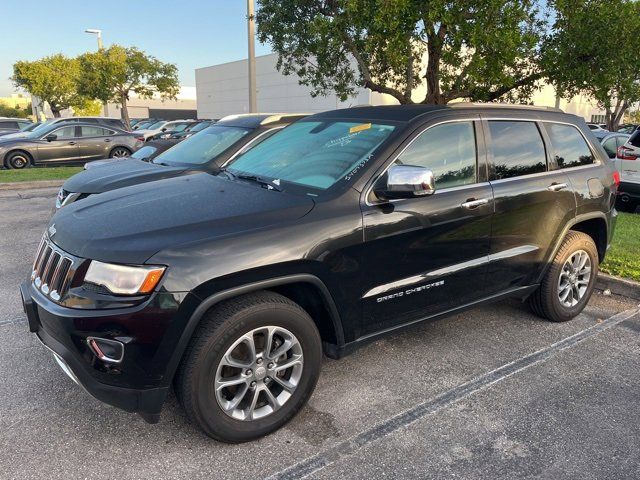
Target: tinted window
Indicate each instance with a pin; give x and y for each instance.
(569, 147)
(65, 132)
(144, 152)
(517, 148)
(112, 122)
(610, 146)
(13, 125)
(94, 132)
(202, 148)
(313, 153)
(448, 150)
(635, 139)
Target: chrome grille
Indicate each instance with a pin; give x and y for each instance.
(52, 270)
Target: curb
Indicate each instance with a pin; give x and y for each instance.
(618, 286)
(31, 185)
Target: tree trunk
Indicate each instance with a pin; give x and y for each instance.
(124, 113)
(55, 110)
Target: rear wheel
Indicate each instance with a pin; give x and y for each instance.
(119, 152)
(251, 365)
(567, 286)
(18, 160)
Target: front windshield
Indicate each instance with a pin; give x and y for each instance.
(144, 152)
(315, 154)
(156, 125)
(179, 128)
(41, 129)
(202, 148)
(199, 126)
(27, 127)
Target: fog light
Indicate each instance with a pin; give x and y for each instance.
(110, 351)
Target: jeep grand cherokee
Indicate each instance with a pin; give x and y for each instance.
(341, 228)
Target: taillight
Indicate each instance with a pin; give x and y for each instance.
(616, 178)
(624, 153)
(140, 138)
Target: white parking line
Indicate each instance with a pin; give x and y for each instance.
(352, 444)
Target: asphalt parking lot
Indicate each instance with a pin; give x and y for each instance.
(491, 393)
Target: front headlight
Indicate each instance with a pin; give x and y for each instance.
(124, 279)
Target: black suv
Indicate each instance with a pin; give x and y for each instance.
(341, 228)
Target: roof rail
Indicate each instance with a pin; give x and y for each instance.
(504, 105)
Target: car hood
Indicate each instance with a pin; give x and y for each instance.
(132, 224)
(123, 173)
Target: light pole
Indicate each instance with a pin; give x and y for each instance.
(97, 32)
(251, 25)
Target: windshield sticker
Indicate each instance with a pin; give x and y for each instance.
(355, 170)
(359, 128)
(340, 142)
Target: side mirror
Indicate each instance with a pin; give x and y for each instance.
(51, 137)
(164, 129)
(405, 181)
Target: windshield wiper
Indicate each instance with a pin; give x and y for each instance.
(271, 185)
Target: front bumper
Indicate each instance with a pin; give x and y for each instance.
(141, 382)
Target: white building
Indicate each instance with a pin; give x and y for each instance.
(223, 90)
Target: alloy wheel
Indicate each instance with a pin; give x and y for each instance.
(19, 161)
(574, 278)
(119, 153)
(259, 373)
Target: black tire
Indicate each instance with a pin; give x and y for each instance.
(18, 160)
(119, 152)
(221, 327)
(545, 301)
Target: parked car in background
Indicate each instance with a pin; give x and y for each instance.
(192, 129)
(13, 125)
(611, 142)
(67, 143)
(146, 153)
(208, 151)
(628, 128)
(628, 164)
(327, 236)
(173, 128)
(595, 127)
(145, 123)
(44, 126)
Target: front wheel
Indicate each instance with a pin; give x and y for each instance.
(567, 286)
(250, 367)
(18, 160)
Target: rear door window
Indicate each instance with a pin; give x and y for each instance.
(94, 131)
(569, 148)
(518, 149)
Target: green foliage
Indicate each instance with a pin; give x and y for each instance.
(53, 79)
(87, 108)
(592, 51)
(623, 258)
(478, 49)
(14, 112)
(32, 174)
(110, 75)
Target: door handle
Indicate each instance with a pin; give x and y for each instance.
(107, 140)
(72, 143)
(556, 187)
(469, 204)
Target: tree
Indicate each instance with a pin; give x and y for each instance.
(15, 111)
(591, 51)
(53, 79)
(87, 108)
(110, 75)
(478, 50)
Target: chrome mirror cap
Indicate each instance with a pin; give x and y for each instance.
(405, 181)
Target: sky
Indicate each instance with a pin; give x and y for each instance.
(189, 33)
